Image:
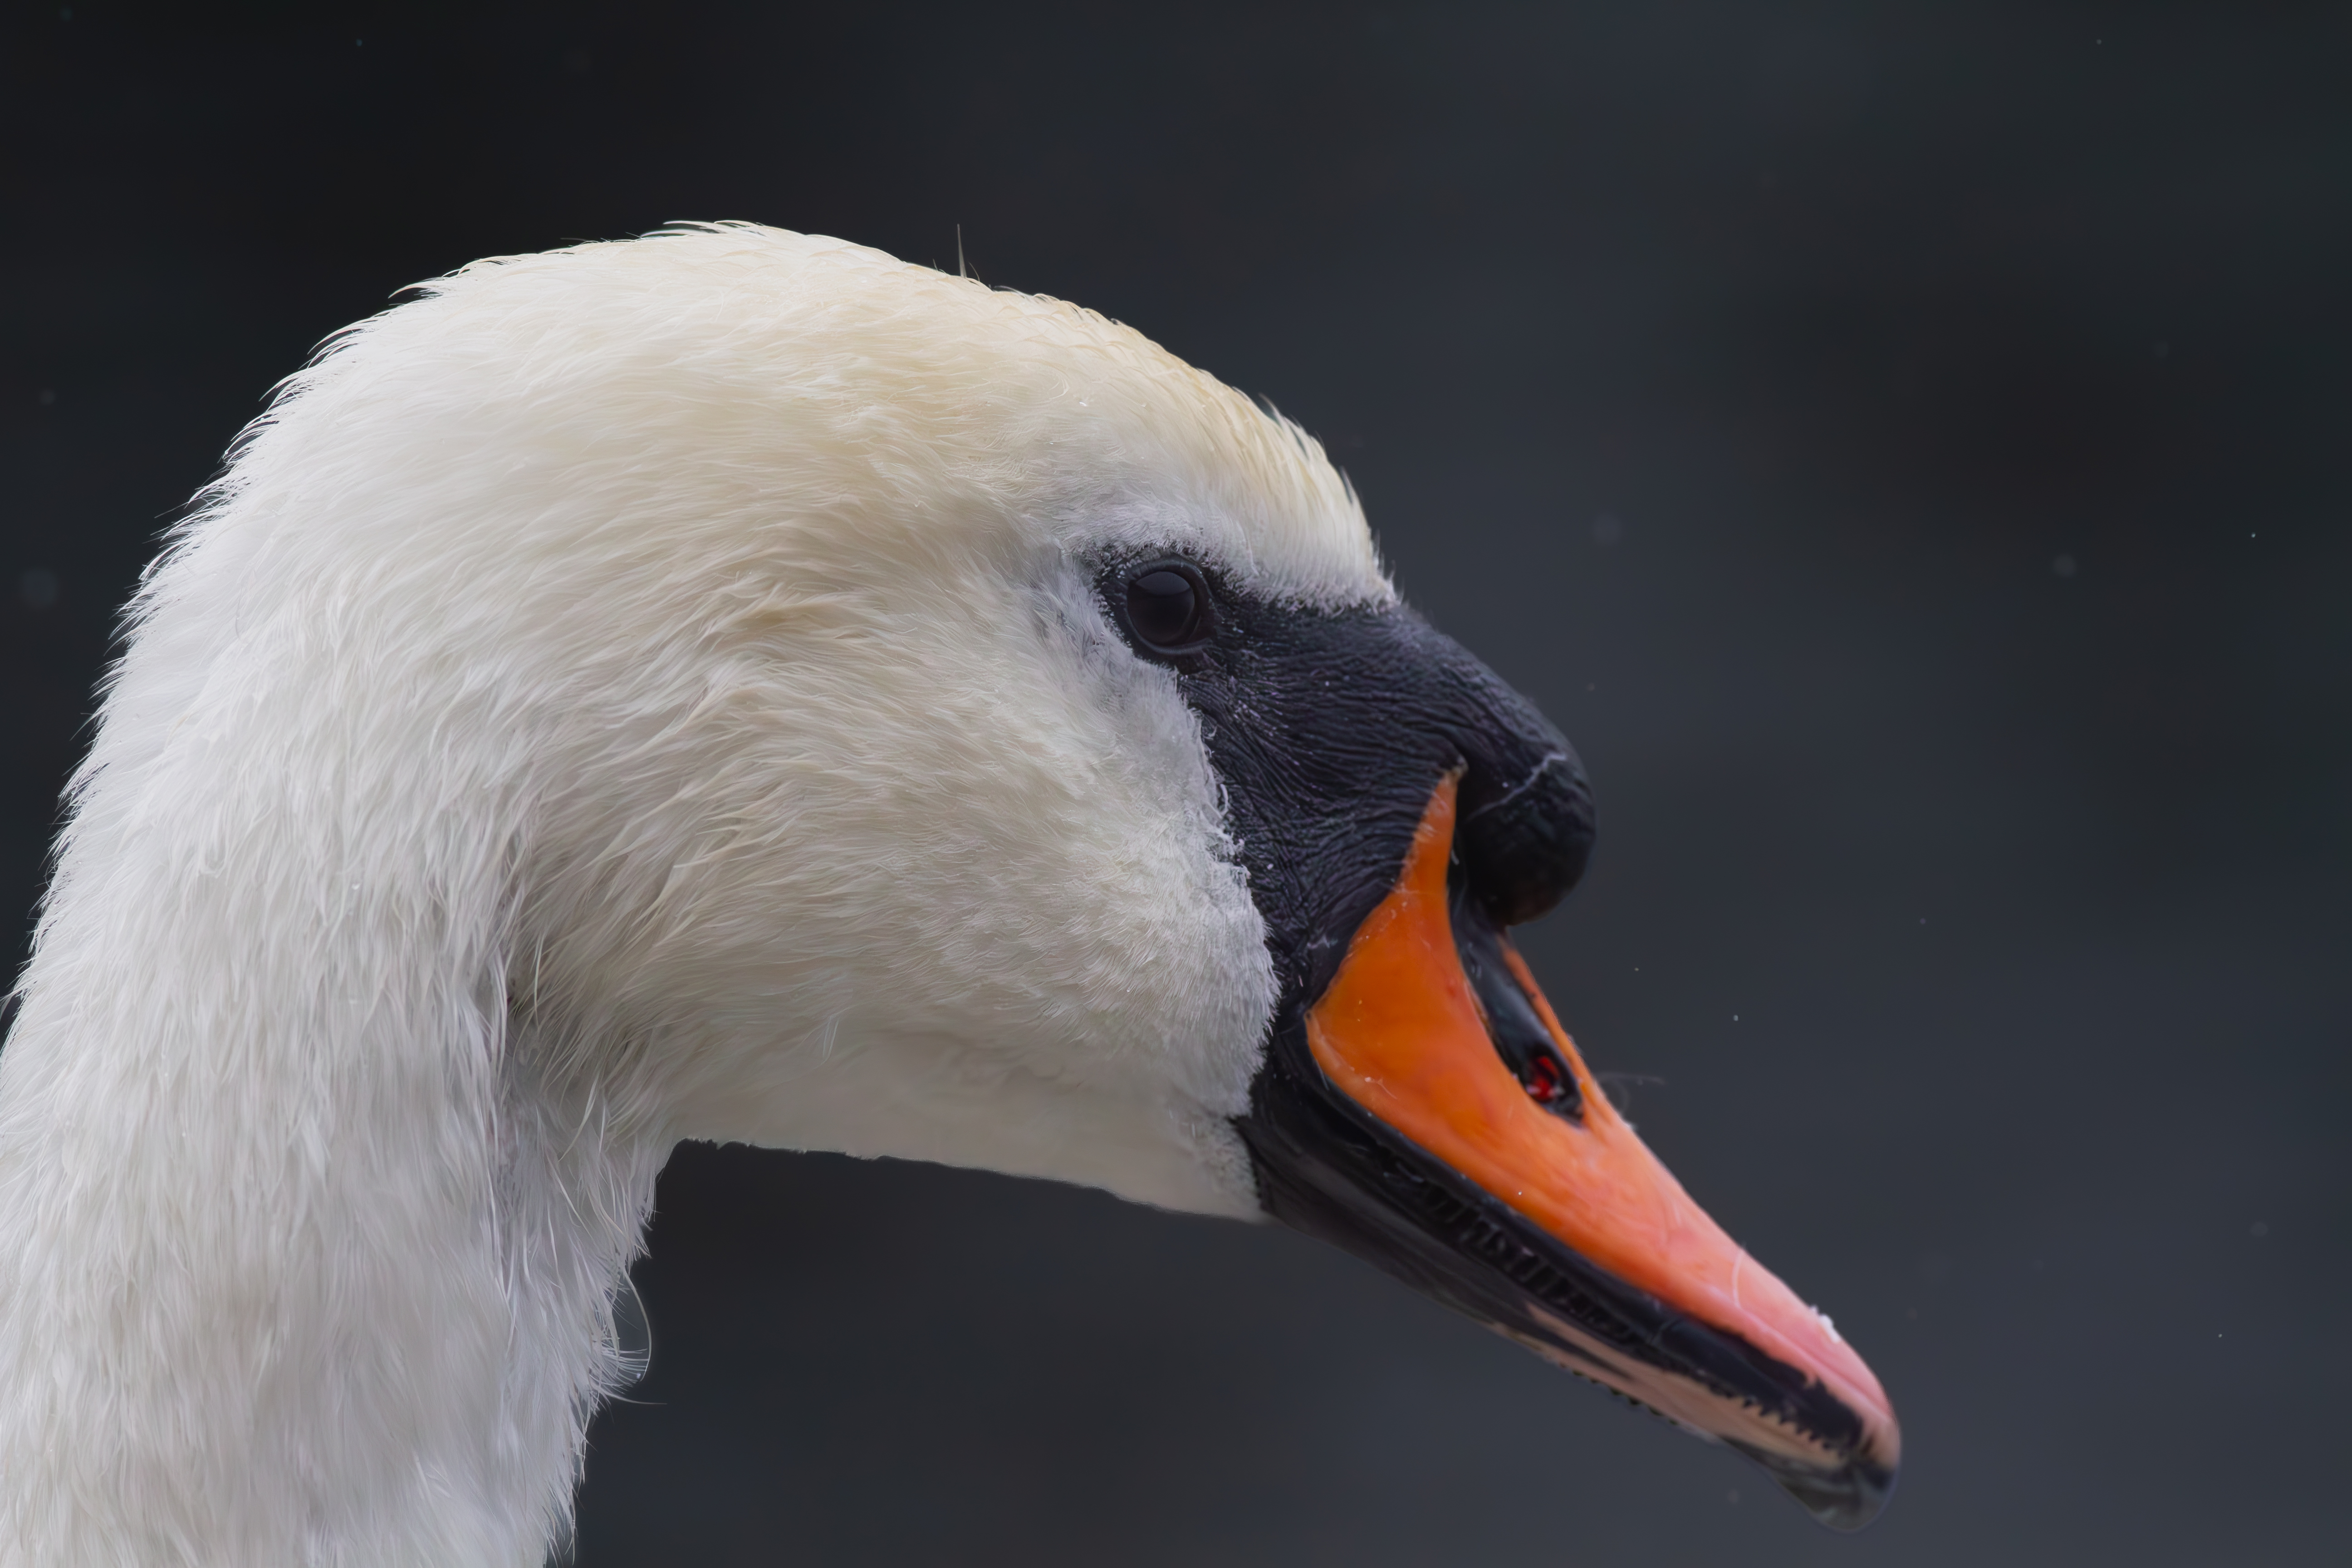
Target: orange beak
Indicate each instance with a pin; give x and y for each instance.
(1569, 1235)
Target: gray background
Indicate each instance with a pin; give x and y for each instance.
(1902, 446)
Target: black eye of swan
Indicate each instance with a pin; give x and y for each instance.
(1168, 607)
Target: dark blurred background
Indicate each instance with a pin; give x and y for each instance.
(1905, 447)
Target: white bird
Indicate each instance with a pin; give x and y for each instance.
(734, 685)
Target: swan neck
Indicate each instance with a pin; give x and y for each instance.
(300, 1258)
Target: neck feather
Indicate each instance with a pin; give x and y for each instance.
(302, 1258)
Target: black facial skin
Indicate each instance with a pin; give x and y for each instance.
(1330, 729)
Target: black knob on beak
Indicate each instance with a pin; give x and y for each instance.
(1526, 828)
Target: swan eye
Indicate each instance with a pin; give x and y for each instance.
(1168, 608)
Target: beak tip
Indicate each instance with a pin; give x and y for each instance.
(1844, 1500)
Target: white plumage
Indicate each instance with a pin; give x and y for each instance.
(644, 691)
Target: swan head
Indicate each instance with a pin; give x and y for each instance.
(817, 701)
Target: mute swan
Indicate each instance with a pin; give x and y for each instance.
(734, 685)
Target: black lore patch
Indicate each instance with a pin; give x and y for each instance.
(1330, 730)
